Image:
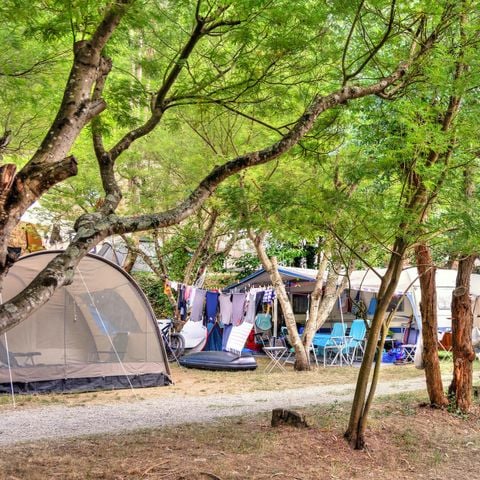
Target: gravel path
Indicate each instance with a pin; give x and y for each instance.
(57, 421)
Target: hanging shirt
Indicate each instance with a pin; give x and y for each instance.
(182, 304)
(212, 306)
(225, 301)
(197, 306)
(238, 304)
(250, 307)
(269, 296)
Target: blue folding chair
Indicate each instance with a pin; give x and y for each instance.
(356, 339)
(335, 337)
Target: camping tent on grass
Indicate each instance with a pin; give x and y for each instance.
(97, 333)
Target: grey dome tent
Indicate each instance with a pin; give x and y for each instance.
(97, 333)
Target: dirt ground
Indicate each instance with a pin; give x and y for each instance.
(201, 382)
(405, 440)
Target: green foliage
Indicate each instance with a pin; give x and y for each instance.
(153, 289)
(246, 265)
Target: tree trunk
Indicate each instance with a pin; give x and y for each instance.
(355, 433)
(460, 389)
(302, 362)
(428, 310)
(202, 247)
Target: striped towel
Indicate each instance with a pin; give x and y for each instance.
(238, 337)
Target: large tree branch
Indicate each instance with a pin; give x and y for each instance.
(76, 109)
(94, 227)
(203, 26)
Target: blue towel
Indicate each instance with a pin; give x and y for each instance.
(372, 306)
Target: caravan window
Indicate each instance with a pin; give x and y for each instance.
(300, 303)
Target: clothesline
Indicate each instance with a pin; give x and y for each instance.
(197, 304)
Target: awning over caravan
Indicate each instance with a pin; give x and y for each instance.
(369, 281)
(98, 332)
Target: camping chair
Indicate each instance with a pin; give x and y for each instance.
(334, 338)
(278, 353)
(7, 358)
(311, 351)
(355, 340)
(410, 337)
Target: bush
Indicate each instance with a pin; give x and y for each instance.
(152, 287)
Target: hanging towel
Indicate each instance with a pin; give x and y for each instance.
(212, 306)
(237, 338)
(372, 306)
(225, 301)
(238, 304)
(197, 307)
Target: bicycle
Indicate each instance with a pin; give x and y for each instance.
(173, 341)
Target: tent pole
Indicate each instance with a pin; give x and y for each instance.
(275, 317)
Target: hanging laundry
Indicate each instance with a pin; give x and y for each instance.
(238, 304)
(250, 307)
(259, 300)
(226, 333)
(372, 306)
(174, 285)
(212, 306)
(196, 314)
(167, 289)
(188, 291)
(269, 296)
(191, 298)
(181, 303)
(225, 301)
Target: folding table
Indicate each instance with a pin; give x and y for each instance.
(278, 356)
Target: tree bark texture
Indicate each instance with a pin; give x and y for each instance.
(302, 362)
(428, 310)
(460, 389)
(50, 164)
(355, 433)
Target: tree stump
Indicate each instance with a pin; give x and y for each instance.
(281, 416)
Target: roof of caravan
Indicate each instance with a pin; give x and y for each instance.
(261, 277)
(366, 280)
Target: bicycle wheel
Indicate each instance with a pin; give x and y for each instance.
(175, 347)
